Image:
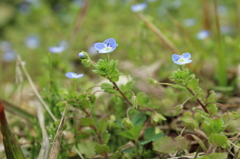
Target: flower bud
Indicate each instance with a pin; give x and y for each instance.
(157, 118)
(127, 123)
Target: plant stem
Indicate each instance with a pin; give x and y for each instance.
(199, 101)
(123, 95)
(99, 135)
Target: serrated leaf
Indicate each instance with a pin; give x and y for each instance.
(101, 149)
(211, 107)
(194, 85)
(107, 69)
(105, 137)
(168, 145)
(213, 126)
(190, 122)
(138, 119)
(88, 122)
(109, 88)
(102, 125)
(219, 140)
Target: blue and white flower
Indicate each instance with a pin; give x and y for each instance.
(107, 46)
(32, 42)
(74, 75)
(203, 34)
(139, 7)
(9, 56)
(59, 48)
(81, 54)
(182, 59)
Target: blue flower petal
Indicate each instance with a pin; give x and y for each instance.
(110, 42)
(175, 57)
(56, 49)
(186, 55)
(73, 75)
(139, 7)
(99, 46)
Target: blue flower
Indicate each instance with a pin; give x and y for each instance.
(107, 46)
(81, 54)
(182, 59)
(9, 56)
(32, 42)
(203, 34)
(189, 22)
(58, 49)
(139, 7)
(74, 75)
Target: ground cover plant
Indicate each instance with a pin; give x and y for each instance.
(119, 79)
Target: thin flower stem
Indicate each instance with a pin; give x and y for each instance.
(86, 134)
(149, 109)
(127, 112)
(198, 100)
(92, 87)
(123, 95)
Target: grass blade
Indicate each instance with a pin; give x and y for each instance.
(12, 149)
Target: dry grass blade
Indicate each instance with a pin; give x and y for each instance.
(45, 143)
(21, 63)
(17, 111)
(53, 154)
(159, 34)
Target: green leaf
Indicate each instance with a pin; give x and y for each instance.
(109, 88)
(145, 142)
(151, 136)
(133, 133)
(105, 137)
(194, 85)
(88, 122)
(157, 136)
(182, 77)
(107, 69)
(101, 149)
(213, 126)
(138, 119)
(168, 145)
(142, 98)
(211, 107)
(87, 62)
(190, 122)
(219, 140)
(102, 125)
(149, 133)
(86, 148)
